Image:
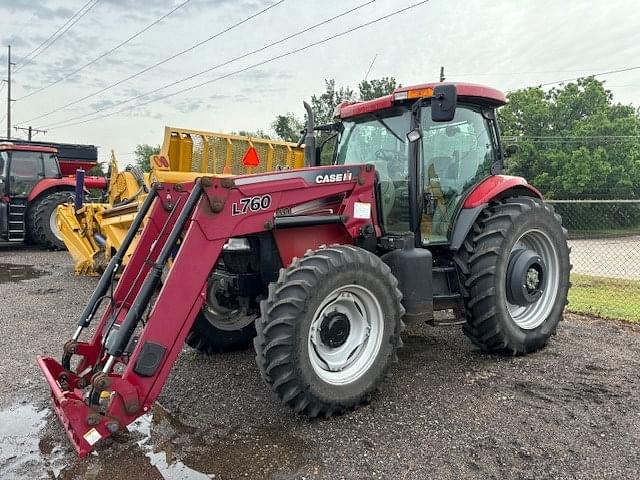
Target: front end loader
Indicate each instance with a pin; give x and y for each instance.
(93, 231)
(412, 215)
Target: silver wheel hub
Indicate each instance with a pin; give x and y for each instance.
(53, 224)
(345, 335)
(544, 282)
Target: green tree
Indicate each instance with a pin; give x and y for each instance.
(324, 104)
(142, 154)
(98, 170)
(288, 126)
(257, 134)
(370, 89)
(574, 141)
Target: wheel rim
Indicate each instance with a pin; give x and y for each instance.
(341, 354)
(225, 318)
(533, 315)
(53, 225)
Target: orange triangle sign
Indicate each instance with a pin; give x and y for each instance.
(251, 158)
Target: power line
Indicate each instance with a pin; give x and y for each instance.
(157, 64)
(503, 74)
(65, 28)
(609, 72)
(215, 67)
(109, 52)
(258, 64)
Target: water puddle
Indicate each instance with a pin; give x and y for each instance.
(156, 446)
(20, 428)
(182, 451)
(11, 272)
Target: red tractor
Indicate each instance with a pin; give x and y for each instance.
(33, 182)
(411, 215)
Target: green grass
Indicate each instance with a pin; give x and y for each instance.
(605, 297)
(612, 232)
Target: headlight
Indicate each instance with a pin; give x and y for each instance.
(237, 245)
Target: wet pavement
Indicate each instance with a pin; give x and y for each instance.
(570, 411)
(10, 273)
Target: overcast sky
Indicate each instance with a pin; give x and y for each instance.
(504, 43)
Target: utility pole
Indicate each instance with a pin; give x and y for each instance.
(9, 100)
(30, 131)
(442, 77)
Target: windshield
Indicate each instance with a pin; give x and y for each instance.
(373, 138)
(381, 141)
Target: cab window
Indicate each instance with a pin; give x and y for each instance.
(51, 169)
(381, 141)
(456, 155)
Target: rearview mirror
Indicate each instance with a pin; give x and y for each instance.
(443, 103)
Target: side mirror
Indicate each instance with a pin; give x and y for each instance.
(443, 103)
(414, 135)
(511, 150)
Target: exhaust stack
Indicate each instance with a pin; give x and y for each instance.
(309, 138)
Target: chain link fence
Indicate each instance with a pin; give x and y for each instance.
(604, 236)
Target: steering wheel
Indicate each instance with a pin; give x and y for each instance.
(396, 162)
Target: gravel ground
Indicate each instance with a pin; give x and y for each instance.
(570, 411)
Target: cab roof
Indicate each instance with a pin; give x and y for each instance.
(470, 92)
(8, 146)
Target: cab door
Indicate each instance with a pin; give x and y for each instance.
(456, 155)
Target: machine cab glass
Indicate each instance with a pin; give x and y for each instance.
(382, 142)
(455, 156)
(24, 169)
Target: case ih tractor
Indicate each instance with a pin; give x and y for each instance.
(411, 216)
(33, 182)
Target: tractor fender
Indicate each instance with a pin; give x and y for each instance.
(51, 184)
(65, 183)
(491, 188)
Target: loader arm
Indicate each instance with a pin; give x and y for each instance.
(118, 379)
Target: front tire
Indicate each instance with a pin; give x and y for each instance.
(329, 330)
(514, 267)
(42, 225)
(208, 339)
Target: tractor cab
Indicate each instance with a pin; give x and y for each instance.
(22, 167)
(430, 144)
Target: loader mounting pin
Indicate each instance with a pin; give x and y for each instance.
(94, 418)
(101, 381)
(227, 183)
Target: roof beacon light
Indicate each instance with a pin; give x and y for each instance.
(412, 94)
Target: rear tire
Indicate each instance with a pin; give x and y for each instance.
(210, 340)
(329, 330)
(485, 262)
(41, 220)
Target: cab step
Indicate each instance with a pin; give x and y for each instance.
(17, 228)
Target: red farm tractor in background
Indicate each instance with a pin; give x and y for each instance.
(33, 182)
(409, 215)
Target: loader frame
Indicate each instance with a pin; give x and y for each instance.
(197, 219)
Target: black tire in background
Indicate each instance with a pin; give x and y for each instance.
(288, 327)
(210, 340)
(39, 217)
(482, 264)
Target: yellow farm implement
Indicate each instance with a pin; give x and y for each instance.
(94, 232)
